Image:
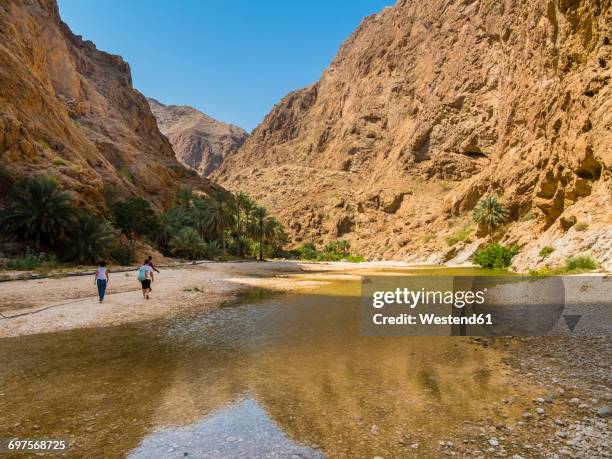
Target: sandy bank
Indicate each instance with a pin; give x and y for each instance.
(46, 305)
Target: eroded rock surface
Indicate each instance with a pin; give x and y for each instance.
(443, 102)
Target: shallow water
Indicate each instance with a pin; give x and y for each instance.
(268, 376)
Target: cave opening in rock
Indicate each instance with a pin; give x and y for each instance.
(474, 154)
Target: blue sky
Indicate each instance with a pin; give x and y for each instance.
(232, 59)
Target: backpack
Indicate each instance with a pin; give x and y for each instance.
(141, 274)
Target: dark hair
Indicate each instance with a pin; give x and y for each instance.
(102, 263)
(150, 257)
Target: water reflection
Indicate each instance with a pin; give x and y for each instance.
(243, 429)
(290, 367)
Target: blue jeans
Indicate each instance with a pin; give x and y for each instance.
(101, 288)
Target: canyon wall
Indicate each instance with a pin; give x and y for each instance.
(200, 142)
(427, 107)
(69, 111)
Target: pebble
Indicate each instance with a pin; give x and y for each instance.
(527, 415)
(516, 456)
(604, 411)
(493, 441)
(374, 430)
(414, 445)
(575, 401)
(560, 422)
(540, 400)
(540, 411)
(561, 434)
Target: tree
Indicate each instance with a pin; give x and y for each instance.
(184, 196)
(220, 211)
(36, 209)
(166, 225)
(188, 243)
(134, 216)
(89, 240)
(245, 206)
(264, 228)
(199, 216)
(490, 212)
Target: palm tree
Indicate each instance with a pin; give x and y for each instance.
(264, 227)
(220, 214)
(166, 224)
(244, 206)
(184, 196)
(37, 209)
(199, 216)
(89, 240)
(490, 212)
(187, 242)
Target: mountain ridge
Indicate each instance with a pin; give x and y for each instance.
(200, 141)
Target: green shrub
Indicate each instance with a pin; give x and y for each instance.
(495, 256)
(213, 250)
(188, 243)
(307, 251)
(58, 162)
(89, 240)
(355, 259)
(544, 271)
(581, 226)
(134, 216)
(460, 236)
(545, 251)
(123, 254)
(29, 260)
(581, 263)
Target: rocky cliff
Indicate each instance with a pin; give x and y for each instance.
(199, 141)
(427, 107)
(69, 111)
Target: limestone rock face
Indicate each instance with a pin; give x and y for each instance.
(69, 111)
(427, 107)
(199, 141)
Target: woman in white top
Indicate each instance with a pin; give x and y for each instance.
(101, 280)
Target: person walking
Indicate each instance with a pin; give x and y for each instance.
(101, 280)
(150, 260)
(145, 276)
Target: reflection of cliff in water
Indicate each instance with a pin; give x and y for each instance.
(100, 388)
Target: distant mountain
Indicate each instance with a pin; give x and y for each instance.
(69, 111)
(199, 141)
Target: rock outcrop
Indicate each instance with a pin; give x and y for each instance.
(69, 111)
(427, 107)
(199, 141)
